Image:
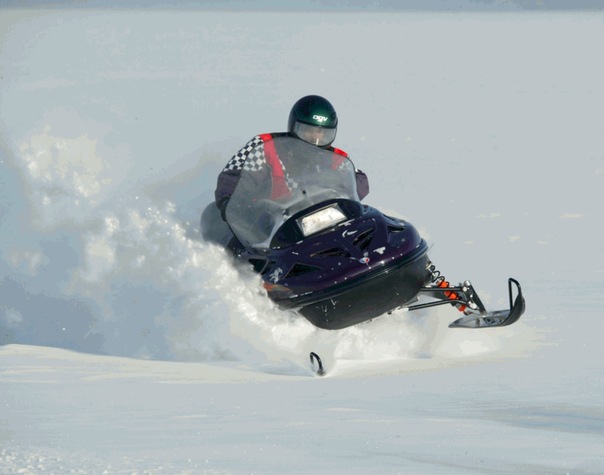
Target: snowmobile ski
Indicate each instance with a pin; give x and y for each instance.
(497, 318)
(465, 298)
(318, 369)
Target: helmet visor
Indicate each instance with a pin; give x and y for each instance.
(314, 134)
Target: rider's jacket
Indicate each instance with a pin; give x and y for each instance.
(260, 153)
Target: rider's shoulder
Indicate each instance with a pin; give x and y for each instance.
(338, 151)
(263, 138)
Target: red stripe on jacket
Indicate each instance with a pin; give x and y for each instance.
(279, 185)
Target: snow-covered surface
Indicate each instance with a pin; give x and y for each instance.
(131, 346)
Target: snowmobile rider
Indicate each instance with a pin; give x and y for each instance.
(312, 119)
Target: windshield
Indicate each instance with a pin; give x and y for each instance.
(284, 176)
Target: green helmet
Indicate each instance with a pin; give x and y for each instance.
(314, 120)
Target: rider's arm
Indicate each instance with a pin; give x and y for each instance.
(224, 188)
(362, 181)
(227, 180)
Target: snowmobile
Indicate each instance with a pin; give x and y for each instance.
(323, 253)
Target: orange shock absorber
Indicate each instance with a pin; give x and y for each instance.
(443, 284)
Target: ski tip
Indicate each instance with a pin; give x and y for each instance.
(317, 364)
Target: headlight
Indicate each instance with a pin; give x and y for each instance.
(320, 220)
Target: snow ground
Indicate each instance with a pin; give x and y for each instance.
(131, 346)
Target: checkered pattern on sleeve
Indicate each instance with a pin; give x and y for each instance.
(250, 157)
